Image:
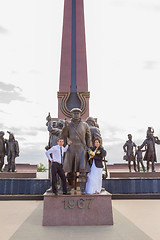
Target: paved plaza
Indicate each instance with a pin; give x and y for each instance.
(133, 219)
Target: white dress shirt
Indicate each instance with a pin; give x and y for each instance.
(56, 153)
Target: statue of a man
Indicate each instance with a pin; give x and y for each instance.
(76, 158)
(129, 150)
(55, 129)
(12, 150)
(2, 150)
(149, 144)
(95, 132)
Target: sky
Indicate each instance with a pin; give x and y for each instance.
(123, 59)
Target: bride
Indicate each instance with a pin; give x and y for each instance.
(94, 181)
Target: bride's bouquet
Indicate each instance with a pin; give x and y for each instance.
(91, 153)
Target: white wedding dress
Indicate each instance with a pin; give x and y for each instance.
(94, 181)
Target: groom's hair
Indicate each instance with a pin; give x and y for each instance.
(60, 138)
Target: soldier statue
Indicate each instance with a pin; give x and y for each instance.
(55, 129)
(95, 132)
(12, 150)
(129, 150)
(2, 150)
(76, 157)
(149, 144)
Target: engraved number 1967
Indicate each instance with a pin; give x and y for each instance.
(79, 203)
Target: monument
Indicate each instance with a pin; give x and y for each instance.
(73, 86)
(73, 103)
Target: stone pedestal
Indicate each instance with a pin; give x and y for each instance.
(134, 174)
(77, 210)
(22, 171)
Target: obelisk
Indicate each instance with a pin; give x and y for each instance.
(73, 86)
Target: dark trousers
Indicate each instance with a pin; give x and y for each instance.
(58, 168)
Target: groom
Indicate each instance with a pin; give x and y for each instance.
(57, 164)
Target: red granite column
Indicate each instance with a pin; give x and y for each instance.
(73, 87)
(82, 80)
(65, 69)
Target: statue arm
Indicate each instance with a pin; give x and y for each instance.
(65, 133)
(157, 141)
(6, 147)
(88, 136)
(17, 149)
(143, 144)
(124, 147)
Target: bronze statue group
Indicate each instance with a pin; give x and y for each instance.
(135, 153)
(10, 148)
(82, 156)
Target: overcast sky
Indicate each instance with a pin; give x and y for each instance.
(123, 57)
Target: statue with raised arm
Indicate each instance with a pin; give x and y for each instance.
(129, 150)
(55, 129)
(12, 151)
(76, 157)
(95, 132)
(2, 150)
(149, 144)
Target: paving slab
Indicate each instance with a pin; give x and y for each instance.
(123, 228)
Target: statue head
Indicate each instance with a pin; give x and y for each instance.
(60, 123)
(1, 134)
(149, 135)
(76, 113)
(54, 124)
(130, 137)
(11, 137)
(90, 121)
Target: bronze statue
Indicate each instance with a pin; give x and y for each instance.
(129, 150)
(139, 157)
(76, 157)
(55, 129)
(12, 150)
(95, 132)
(149, 144)
(2, 150)
(150, 131)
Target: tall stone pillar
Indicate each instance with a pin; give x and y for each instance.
(73, 85)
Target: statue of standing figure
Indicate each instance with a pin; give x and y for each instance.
(55, 129)
(129, 150)
(12, 151)
(76, 157)
(95, 132)
(139, 156)
(2, 149)
(149, 144)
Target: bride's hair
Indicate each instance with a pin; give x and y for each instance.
(97, 139)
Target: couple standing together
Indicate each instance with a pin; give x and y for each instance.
(76, 157)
